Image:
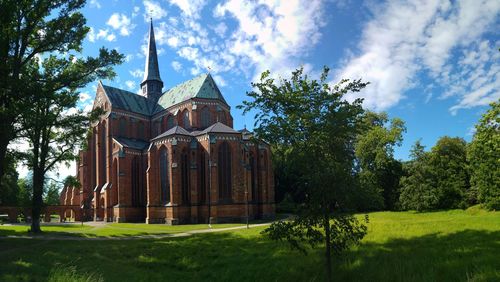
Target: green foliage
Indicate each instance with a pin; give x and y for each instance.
(25, 192)
(417, 187)
(438, 179)
(69, 273)
(448, 163)
(43, 75)
(9, 189)
(379, 172)
(310, 124)
(51, 195)
(484, 157)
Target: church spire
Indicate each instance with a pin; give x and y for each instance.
(152, 83)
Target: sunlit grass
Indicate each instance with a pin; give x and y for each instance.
(400, 246)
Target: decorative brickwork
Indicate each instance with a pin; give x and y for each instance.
(172, 158)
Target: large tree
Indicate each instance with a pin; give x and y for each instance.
(484, 157)
(53, 126)
(310, 123)
(29, 29)
(379, 172)
(448, 163)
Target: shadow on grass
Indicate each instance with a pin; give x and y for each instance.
(245, 255)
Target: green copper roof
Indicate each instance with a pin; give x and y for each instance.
(202, 86)
(128, 101)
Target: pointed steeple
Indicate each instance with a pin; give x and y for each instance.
(152, 83)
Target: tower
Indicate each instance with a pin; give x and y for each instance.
(152, 84)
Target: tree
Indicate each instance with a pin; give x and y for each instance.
(40, 78)
(53, 126)
(309, 123)
(448, 163)
(417, 186)
(30, 29)
(9, 188)
(484, 157)
(51, 195)
(379, 172)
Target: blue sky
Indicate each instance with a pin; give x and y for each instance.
(433, 63)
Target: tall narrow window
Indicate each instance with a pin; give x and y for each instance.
(123, 127)
(203, 177)
(222, 117)
(170, 122)
(255, 196)
(136, 183)
(185, 177)
(224, 167)
(205, 117)
(140, 130)
(164, 181)
(185, 119)
(102, 166)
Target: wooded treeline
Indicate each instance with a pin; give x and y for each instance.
(452, 174)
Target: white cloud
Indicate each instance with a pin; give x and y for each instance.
(83, 97)
(88, 108)
(173, 42)
(106, 35)
(176, 66)
(137, 73)
(130, 84)
(136, 11)
(220, 29)
(273, 35)
(121, 22)
(190, 8)
(154, 10)
(129, 57)
(219, 80)
(91, 35)
(407, 38)
(189, 53)
(95, 4)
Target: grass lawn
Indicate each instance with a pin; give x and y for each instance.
(400, 246)
(107, 230)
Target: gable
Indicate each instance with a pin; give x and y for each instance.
(202, 86)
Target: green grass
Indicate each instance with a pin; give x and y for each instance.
(400, 246)
(107, 230)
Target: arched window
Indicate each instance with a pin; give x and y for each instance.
(170, 122)
(203, 177)
(185, 177)
(122, 128)
(136, 191)
(164, 181)
(222, 117)
(102, 166)
(255, 195)
(224, 168)
(185, 119)
(157, 128)
(205, 117)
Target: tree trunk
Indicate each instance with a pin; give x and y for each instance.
(5, 138)
(326, 224)
(38, 179)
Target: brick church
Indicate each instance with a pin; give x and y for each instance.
(171, 156)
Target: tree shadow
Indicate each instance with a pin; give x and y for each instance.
(246, 256)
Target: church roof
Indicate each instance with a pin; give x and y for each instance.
(128, 101)
(151, 71)
(176, 130)
(217, 128)
(132, 143)
(202, 86)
